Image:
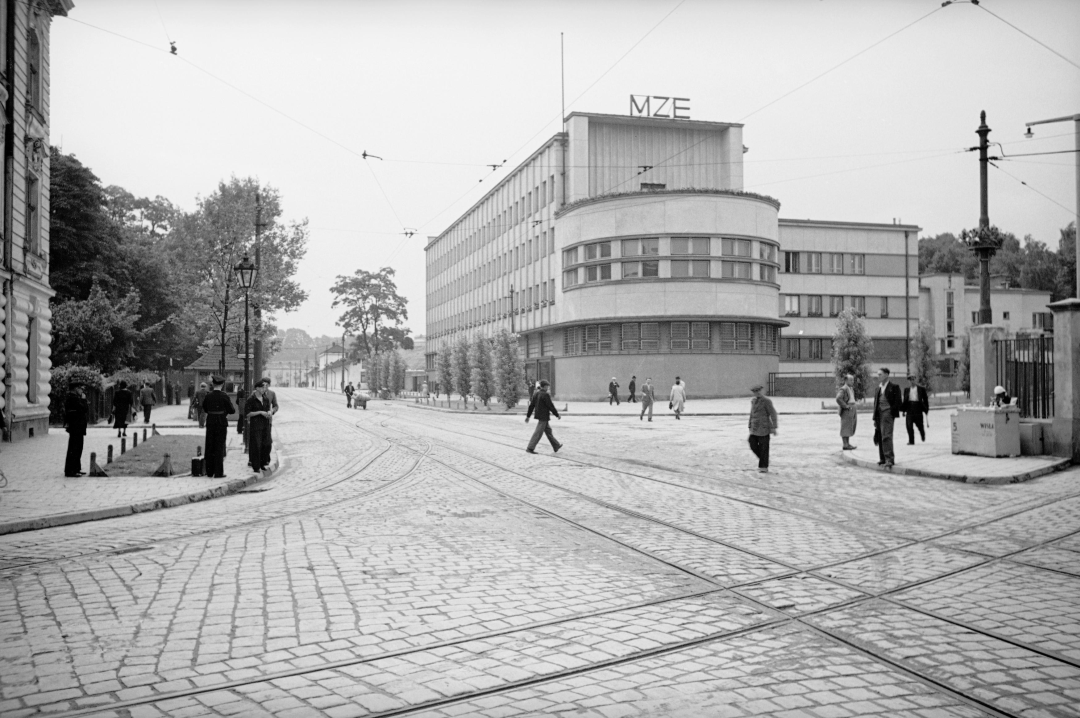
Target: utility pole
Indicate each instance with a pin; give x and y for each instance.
(1076, 124)
(258, 345)
(984, 254)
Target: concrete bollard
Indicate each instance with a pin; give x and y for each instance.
(166, 468)
(134, 440)
(144, 434)
(108, 456)
(123, 446)
(95, 470)
(153, 431)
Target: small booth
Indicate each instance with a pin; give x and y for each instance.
(986, 431)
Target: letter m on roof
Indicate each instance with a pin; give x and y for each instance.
(639, 110)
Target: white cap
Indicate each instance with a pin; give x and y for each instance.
(999, 390)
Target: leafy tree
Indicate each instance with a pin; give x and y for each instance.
(922, 356)
(373, 309)
(444, 363)
(1039, 268)
(851, 351)
(96, 331)
(509, 369)
(1066, 284)
(60, 382)
(396, 372)
(461, 369)
(483, 379)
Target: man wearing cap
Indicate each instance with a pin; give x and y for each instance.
(763, 425)
(542, 405)
(257, 410)
(76, 416)
(217, 406)
(1001, 398)
(613, 392)
(887, 402)
(914, 405)
(632, 388)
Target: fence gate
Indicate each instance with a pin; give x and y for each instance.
(1025, 367)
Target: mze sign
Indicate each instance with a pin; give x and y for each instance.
(659, 106)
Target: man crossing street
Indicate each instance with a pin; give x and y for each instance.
(915, 404)
(542, 405)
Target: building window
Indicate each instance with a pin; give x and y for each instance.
(815, 349)
(649, 246)
(551, 291)
(631, 270)
(572, 341)
(974, 317)
(884, 307)
(1043, 320)
(791, 349)
(700, 336)
(767, 251)
(768, 273)
(835, 263)
(532, 346)
(690, 245)
(1005, 316)
(33, 71)
(836, 305)
(569, 278)
(813, 262)
(597, 250)
(680, 335)
(570, 256)
(650, 336)
(859, 305)
(681, 268)
(547, 344)
(32, 361)
(735, 270)
(791, 262)
(813, 306)
(631, 337)
(768, 339)
(857, 264)
(597, 272)
(592, 338)
(740, 248)
(33, 219)
(791, 305)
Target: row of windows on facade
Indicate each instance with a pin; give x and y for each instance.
(530, 203)
(650, 247)
(815, 305)
(724, 337)
(677, 269)
(523, 301)
(824, 263)
(532, 250)
(34, 101)
(820, 349)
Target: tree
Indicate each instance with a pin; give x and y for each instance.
(851, 351)
(483, 380)
(1066, 284)
(922, 356)
(373, 309)
(96, 331)
(1039, 268)
(461, 369)
(964, 366)
(396, 373)
(444, 364)
(509, 369)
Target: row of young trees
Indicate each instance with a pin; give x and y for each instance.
(483, 368)
(386, 373)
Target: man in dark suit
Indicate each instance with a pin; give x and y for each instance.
(542, 405)
(217, 406)
(633, 390)
(915, 404)
(887, 402)
(76, 416)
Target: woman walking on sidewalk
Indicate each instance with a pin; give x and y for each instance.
(121, 408)
(678, 397)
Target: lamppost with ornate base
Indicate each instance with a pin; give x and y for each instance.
(245, 271)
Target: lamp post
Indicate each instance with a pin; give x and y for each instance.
(1076, 124)
(245, 270)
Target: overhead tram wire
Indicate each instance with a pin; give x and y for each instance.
(1042, 194)
(1027, 35)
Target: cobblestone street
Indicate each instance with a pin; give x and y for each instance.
(408, 562)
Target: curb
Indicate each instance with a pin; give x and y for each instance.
(568, 412)
(963, 478)
(78, 517)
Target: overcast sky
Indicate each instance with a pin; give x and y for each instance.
(441, 89)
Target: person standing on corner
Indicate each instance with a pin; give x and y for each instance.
(257, 409)
(763, 425)
(147, 398)
(218, 406)
(613, 392)
(272, 398)
(121, 408)
(197, 404)
(915, 404)
(633, 390)
(648, 398)
(677, 399)
(76, 416)
(542, 405)
(849, 413)
(887, 402)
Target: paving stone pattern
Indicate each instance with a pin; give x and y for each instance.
(404, 563)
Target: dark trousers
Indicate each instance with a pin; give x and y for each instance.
(146, 413)
(216, 434)
(760, 446)
(914, 418)
(258, 442)
(885, 446)
(613, 398)
(632, 398)
(202, 417)
(543, 428)
(73, 461)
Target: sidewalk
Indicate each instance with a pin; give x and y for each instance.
(38, 495)
(934, 458)
(734, 406)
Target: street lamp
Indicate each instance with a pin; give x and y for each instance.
(1075, 119)
(245, 270)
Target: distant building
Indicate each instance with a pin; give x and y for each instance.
(209, 364)
(26, 327)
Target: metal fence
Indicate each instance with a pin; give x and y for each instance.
(1025, 368)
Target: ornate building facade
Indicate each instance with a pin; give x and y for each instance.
(26, 327)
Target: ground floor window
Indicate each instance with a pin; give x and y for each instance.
(633, 337)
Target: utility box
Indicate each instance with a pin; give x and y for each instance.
(986, 431)
(1032, 438)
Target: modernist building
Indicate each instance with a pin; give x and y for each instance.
(24, 304)
(627, 246)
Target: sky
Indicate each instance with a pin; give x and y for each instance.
(853, 110)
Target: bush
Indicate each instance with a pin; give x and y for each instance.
(482, 380)
(445, 365)
(509, 369)
(461, 369)
(60, 384)
(851, 351)
(922, 356)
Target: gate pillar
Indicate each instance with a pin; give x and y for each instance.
(983, 362)
(1066, 426)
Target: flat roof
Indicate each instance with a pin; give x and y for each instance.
(849, 225)
(655, 121)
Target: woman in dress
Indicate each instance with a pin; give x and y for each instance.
(678, 397)
(849, 415)
(121, 408)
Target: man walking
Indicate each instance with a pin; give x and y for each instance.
(613, 392)
(915, 404)
(763, 425)
(887, 402)
(76, 416)
(648, 398)
(197, 403)
(542, 405)
(348, 395)
(633, 390)
(217, 406)
(147, 398)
